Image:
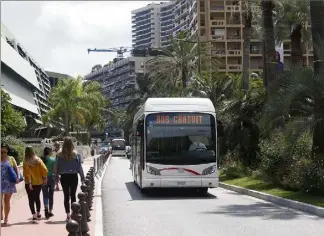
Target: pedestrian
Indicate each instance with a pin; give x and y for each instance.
(35, 174)
(57, 149)
(68, 166)
(48, 189)
(8, 186)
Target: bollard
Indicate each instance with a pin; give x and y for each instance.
(84, 222)
(85, 191)
(90, 193)
(76, 216)
(90, 177)
(91, 186)
(72, 227)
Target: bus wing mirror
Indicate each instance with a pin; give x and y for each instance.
(140, 129)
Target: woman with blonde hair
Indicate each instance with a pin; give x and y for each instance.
(68, 166)
(35, 174)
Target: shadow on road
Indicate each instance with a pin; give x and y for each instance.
(165, 194)
(266, 210)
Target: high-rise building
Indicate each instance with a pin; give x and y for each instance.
(146, 26)
(166, 23)
(55, 76)
(40, 94)
(153, 25)
(219, 24)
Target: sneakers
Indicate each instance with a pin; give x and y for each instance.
(34, 219)
(39, 216)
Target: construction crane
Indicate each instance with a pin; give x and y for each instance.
(120, 51)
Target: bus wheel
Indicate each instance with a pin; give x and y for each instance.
(203, 191)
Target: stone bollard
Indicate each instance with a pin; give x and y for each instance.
(92, 182)
(85, 191)
(84, 223)
(76, 216)
(72, 227)
(89, 191)
(91, 187)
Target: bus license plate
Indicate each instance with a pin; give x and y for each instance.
(181, 183)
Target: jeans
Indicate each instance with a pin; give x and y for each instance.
(48, 193)
(34, 197)
(69, 184)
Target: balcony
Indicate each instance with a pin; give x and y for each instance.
(218, 52)
(234, 37)
(216, 8)
(233, 52)
(233, 8)
(234, 67)
(218, 22)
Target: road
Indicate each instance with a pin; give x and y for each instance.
(126, 212)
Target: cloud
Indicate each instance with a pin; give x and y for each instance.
(58, 34)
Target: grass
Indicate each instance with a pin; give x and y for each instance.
(255, 183)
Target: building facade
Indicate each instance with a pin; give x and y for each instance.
(219, 25)
(55, 76)
(42, 80)
(117, 79)
(153, 25)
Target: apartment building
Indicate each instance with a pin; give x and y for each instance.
(42, 79)
(166, 23)
(219, 23)
(117, 79)
(146, 26)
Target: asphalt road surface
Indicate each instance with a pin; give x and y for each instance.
(126, 212)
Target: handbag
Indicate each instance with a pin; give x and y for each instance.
(12, 174)
(21, 177)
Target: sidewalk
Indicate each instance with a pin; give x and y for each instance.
(19, 217)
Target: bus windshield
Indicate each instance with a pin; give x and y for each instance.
(180, 138)
(118, 144)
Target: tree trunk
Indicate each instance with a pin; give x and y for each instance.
(247, 31)
(66, 124)
(296, 52)
(270, 70)
(316, 11)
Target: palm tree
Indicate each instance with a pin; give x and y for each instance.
(316, 11)
(70, 100)
(291, 21)
(176, 65)
(270, 67)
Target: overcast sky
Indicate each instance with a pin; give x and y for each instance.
(58, 34)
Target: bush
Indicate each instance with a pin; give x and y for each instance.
(17, 148)
(293, 169)
(232, 168)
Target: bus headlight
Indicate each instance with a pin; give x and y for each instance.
(153, 171)
(209, 170)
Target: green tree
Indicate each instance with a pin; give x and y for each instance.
(72, 100)
(290, 21)
(177, 64)
(12, 121)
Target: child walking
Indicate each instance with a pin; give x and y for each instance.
(48, 189)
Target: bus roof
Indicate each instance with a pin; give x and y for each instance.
(176, 105)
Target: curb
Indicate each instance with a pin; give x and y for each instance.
(98, 228)
(319, 211)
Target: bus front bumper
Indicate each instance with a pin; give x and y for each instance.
(180, 183)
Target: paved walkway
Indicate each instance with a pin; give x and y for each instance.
(19, 218)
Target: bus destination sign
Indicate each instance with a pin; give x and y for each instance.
(179, 119)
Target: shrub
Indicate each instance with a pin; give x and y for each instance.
(232, 168)
(295, 169)
(17, 148)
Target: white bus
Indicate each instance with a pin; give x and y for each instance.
(174, 144)
(118, 147)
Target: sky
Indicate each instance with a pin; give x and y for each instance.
(57, 34)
